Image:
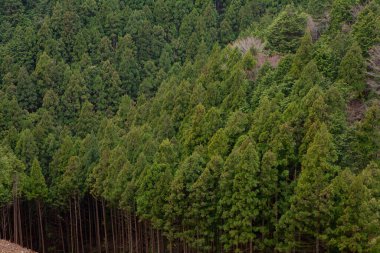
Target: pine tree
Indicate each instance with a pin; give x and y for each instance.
(73, 97)
(317, 7)
(154, 186)
(26, 147)
(219, 144)
(340, 13)
(26, 91)
(352, 69)
(128, 67)
(230, 24)
(239, 203)
(10, 167)
(178, 202)
(36, 190)
(35, 186)
(87, 120)
(286, 30)
(364, 140)
(48, 74)
(193, 136)
(306, 216)
(302, 56)
(352, 214)
(366, 29)
(202, 216)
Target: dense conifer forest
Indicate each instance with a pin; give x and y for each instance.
(179, 126)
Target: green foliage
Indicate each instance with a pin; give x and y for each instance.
(341, 13)
(306, 216)
(302, 56)
(12, 177)
(26, 147)
(151, 107)
(353, 213)
(364, 139)
(202, 214)
(35, 185)
(286, 30)
(26, 90)
(317, 7)
(239, 186)
(366, 29)
(352, 69)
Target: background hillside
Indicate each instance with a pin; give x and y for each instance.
(190, 126)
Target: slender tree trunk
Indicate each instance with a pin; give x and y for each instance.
(15, 227)
(130, 233)
(113, 231)
(30, 226)
(76, 225)
(105, 226)
(151, 237)
(71, 229)
(123, 234)
(19, 221)
(62, 239)
(317, 239)
(40, 226)
(80, 226)
(136, 235)
(90, 225)
(158, 241)
(97, 227)
(146, 235)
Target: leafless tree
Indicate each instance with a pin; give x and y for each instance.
(244, 45)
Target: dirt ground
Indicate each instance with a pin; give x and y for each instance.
(7, 247)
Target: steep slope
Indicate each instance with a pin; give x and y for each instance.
(181, 126)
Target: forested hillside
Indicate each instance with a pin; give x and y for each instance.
(190, 126)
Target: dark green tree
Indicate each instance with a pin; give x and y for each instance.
(352, 69)
(286, 30)
(306, 216)
(238, 206)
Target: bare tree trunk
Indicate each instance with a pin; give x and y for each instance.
(62, 239)
(19, 222)
(30, 226)
(90, 224)
(97, 227)
(130, 233)
(113, 232)
(105, 226)
(40, 226)
(80, 226)
(158, 241)
(15, 227)
(136, 235)
(76, 226)
(71, 230)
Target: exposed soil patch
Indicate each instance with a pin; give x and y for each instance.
(7, 247)
(273, 60)
(245, 45)
(355, 110)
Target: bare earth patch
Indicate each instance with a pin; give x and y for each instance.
(8, 247)
(355, 110)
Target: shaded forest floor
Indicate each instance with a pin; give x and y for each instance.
(7, 247)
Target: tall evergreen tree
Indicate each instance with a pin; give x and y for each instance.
(306, 217)
(239, 203)
(352, 69)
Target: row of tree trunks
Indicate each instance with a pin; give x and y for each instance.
(87, 225)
